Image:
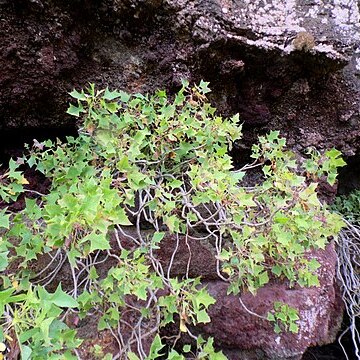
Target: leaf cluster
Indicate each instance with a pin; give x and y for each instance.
(284, 317)
(349, 206)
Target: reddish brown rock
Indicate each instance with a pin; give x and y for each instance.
(240, 334)
(195, 256)
(249, 337)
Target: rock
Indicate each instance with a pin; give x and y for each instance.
(193, 256)
(242, 335)
(249, 337)
(140, 45)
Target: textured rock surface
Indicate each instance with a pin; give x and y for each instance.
(240, 334)
(248, 337)
(245, 48)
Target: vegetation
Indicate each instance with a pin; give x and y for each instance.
(142, 170)
(349, 206)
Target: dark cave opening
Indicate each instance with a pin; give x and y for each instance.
(12, 141)
(349, 175)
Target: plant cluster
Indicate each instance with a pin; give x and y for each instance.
(144, 168)
(284, 317)
(349, 206)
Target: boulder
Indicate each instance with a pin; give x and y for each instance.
(235, 325)
(245, 336)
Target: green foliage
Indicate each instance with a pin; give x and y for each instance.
(145, 160)
(349, 206)
(324, 165)
(283, 219)
(284, 317)
(187, 300)
(11, 182)
(204, 351)
(99, 353)
(33, 317)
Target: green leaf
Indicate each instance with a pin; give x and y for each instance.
(273, 135)
(123, 165)
(97, 241)
(204, 87)
(277, 270)
(175, 184)
(281, 219)
(238, 175)
(104, 137)
(73, 254)
(331, 179)
(132, 356)
(111, 95)
(281, 316)
(4, 219)
(172, 223)
(5, 294)
(293, 315)
(277, 329)
(202, 317)
(155, 348)
(121, 218)
(61, 299)
(45, 328)
(74, 110)
(174, 355)
(284, 238)
(78, 96)
(294, 328)
(203, 298)
(141, 291)
(184, 83)
(4, 261)
(25, 352)
(263, 278)
(313, 265)
(93, 275)
(156, 239)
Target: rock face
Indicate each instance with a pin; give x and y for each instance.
(254, 53)
(243, 335)
(235, 328)
(291, 65)
(247, 337)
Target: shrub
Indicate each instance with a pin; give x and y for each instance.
(145, 159)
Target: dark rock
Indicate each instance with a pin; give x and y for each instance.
(49, 46)
(195, 257)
